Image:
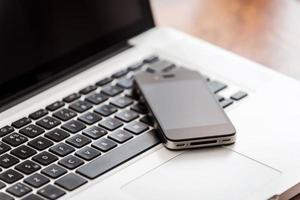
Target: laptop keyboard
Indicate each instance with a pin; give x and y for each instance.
(61, 147)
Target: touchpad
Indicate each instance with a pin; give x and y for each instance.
(214, 173)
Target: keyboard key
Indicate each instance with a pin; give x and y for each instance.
(80, 106)
(121, 102)
(71, 97)
(111, 90)
(6, 160)
(140, 108)
(19, 189)
(4, 148)
(44, 158)
(6, 130)
(219, 97)
(112, 159)
(226, 102)
(36, 180)
(23, 152)
(71, 162)
(57, 135)
(40, 143)
(10, 176)
(2, 185)
(62, 149)
(136, 127)
(32, 131)
(111, 123)
(88, 89)
(21, 122)
(120, 73)
(135, 67)
(28, 167)
(54, 171)
(90, 118)
(238, 95)
(96, 98)
(64, 114)
(120, 136)
(150, 70)
(51, 192)
(73, 126)
(216, 86)
(78, 141)
(104, 144)
(87, 153)
(147, 120)
(94, 132)
(32, 197)
(127, 115)
(48, 122)
(106, 110)
(150, 59)
(160, 66)
(4, 196)
(56, 105)
(14, 139)
(169, 68)
(70, 181)
(125, 83)
(38, 114)
(104, 81)
(130, 76)
(131, 93)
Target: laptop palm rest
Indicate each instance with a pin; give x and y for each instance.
(216, 171)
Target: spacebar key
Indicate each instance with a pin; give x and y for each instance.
(119, 155)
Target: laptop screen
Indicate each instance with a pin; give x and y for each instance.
(42, 40)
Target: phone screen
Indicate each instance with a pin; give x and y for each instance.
(183, 106)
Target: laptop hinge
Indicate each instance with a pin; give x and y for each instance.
(79, 67)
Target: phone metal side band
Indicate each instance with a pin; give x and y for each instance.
(174, 145)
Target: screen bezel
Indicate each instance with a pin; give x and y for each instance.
(184, 134)
(20, 88)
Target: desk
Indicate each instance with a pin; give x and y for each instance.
(266, 31)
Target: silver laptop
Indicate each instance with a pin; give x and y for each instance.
(72, 126)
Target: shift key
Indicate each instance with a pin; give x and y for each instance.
(119, 155)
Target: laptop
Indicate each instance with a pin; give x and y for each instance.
(73, 128)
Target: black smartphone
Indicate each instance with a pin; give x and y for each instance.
(186, 112)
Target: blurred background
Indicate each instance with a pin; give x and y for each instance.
(266, 31)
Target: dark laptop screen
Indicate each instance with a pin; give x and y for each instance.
(41, 39)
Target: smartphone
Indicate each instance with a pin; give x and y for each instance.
(186, 113)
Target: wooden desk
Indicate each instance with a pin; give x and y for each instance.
(266, 31)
